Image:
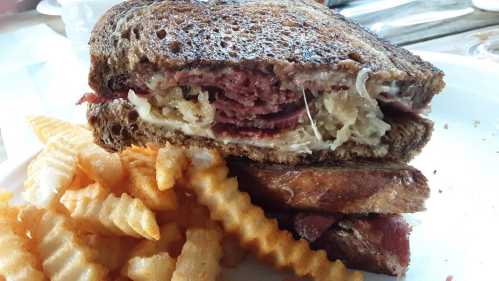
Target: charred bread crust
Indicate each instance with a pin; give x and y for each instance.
(141, 36)
(358, 245)
(347, 188)
(117, 125)
(376, 243)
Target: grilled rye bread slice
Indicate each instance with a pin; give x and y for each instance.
(283, 37)
(117, 124)
(257, 75)
(347, 188)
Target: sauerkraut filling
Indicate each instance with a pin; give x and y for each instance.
(314, 120)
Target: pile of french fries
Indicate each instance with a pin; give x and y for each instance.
(146, 213)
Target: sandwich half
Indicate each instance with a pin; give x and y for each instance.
(274, 81)
(316, 116)
(349, 210)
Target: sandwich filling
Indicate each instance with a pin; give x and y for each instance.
(299, 112)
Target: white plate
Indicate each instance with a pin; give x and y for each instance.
(487, 5)
(458, 234)
(49, 7)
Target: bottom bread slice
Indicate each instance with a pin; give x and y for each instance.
(116, 125)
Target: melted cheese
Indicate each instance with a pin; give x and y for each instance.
(341, 116)
(146, 113)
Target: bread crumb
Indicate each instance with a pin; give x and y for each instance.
(440, 191)
(446, 126)
(434, 172)
(449, 278)
(476, 123)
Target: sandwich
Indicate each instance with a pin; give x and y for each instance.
(316, 116)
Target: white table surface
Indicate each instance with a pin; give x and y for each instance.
(39, 74)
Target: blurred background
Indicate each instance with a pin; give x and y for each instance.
(44, 53)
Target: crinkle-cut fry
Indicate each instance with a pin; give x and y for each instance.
(199, 259)
(17, 263)
(189, 212)
(80, 180)
(170, 165)
(9, 214)
(169, 236)
(234, 209)
(143, 185)
(109, 214)
(64, 256)
(100, 165)
(50, 174)
(141, 166)
(47, 127)
(92, 191)
(112, 252)
(158, 267)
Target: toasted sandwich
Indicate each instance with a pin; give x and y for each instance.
(316, 116)
(280, 81)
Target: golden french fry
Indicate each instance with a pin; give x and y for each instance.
(9, 214)
(140, 163)
(47, 127)
(199, 259)
(233, 253)
(170, 241)
(169, 236)
(17, 263)
(64, 256)
(236, 213)
(100, 165)
(109, 214)
(91, 191)
(112, 252)
(80, 180)
(170, 165)
(189, 212)
(50, 174)
(158, 267)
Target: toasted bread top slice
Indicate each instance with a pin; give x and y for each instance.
(142, 36)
